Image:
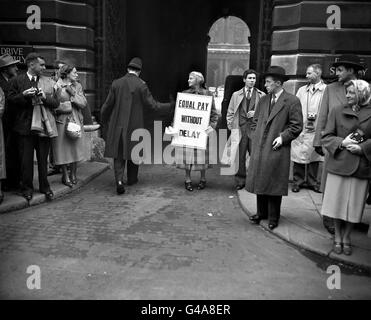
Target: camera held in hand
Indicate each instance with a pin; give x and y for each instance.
(358, 136)
(38, 92)
(311, 118)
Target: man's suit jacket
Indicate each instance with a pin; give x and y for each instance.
(23, 106)
(236, 103)
(333, 97)
(268, 172)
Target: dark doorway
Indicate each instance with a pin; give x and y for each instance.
(172, 37)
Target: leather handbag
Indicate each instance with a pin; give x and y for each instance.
(73, 130)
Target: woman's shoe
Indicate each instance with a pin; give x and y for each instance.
(66, 182)
(347, 249)
(73, 179)
(338, 249)
(188, 185)
(201, 185)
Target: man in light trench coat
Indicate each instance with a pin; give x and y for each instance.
(122, 113)
(306, 160)
(277, 121)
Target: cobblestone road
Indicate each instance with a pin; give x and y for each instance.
(157, 241)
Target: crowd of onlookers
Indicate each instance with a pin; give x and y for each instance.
(329, 123)
(42, 113)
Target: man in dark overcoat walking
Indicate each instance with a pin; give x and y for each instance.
(122, 113)
(277, 121)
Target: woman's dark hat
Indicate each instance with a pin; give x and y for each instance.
(349, 60)
(7, 60)
(278, 72)
(135, 63)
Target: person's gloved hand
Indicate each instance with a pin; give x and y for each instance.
(319, 150)
(70, 90)
(171, 131)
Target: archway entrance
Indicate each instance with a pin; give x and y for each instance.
(228, 53)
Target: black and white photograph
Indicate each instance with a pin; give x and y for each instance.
(185, 155)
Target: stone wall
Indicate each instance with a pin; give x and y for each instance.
(301, 36)
(66, 33)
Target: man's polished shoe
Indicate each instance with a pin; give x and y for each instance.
(295, 188)
(120, 189)
(272, 225)
(240, 187)
(255, 219)
(49, 195)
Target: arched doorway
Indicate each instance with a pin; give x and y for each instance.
(228, 53)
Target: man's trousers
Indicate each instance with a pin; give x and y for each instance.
(300, 177)
(27, 145)
(244, 147)
(269, 207)
(132, 170)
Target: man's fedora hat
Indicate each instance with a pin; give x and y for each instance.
(135, 63)
(349, 60)
(7, 60)
(278, 72)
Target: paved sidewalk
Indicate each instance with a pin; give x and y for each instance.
(86, 171)
(301, 225)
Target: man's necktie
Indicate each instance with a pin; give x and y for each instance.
(273, 102)
(34, 82)
(248, 94)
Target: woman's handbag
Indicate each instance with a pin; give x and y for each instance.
(73, 130)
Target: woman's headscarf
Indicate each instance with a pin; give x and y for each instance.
(198, 75)
(362, 91)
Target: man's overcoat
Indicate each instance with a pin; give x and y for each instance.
(268, 172)
(123, 113)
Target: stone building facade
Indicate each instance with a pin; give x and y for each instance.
(100, 37)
